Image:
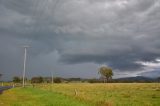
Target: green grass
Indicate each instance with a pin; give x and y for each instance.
(112, 94)
(36, 97)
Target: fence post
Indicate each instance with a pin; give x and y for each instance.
(75, 92)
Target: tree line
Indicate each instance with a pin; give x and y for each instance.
(38, 79)
(105, 72)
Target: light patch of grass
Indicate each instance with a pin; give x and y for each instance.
(36, 97)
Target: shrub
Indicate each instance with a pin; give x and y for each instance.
(16, 79)
(57, 80)
(37, 80)
(94, 80)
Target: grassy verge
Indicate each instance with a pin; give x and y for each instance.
(36, 97)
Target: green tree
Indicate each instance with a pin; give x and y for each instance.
(37, 80)
(158, 79)
(0, 75)
(106, 73)
(57, 80)
(16, 79)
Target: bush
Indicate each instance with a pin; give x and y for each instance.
(57, 80)
(94, 80)
(16, 79)
(37, 80)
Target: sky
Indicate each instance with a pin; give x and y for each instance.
(74, 38)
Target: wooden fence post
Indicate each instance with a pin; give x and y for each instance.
(75, 92)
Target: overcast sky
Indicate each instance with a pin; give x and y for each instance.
(73, 38)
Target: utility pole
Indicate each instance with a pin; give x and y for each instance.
(24, 65)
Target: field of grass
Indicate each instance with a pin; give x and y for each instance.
(84, 94)
(116, 94)
(36, 97)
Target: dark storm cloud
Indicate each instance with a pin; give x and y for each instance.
(133, 35)
(114, 32)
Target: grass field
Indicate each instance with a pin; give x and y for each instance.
(36, 97)
(84, 94)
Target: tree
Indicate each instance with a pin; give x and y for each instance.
(16, 79)
(0, 75)
(37, 80)
(106, 73)
(94, 80)
(158, 79)
(57, 80)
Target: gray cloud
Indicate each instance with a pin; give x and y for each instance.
(113, 32)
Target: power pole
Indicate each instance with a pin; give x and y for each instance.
(24, 65)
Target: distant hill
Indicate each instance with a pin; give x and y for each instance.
(136, 79)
